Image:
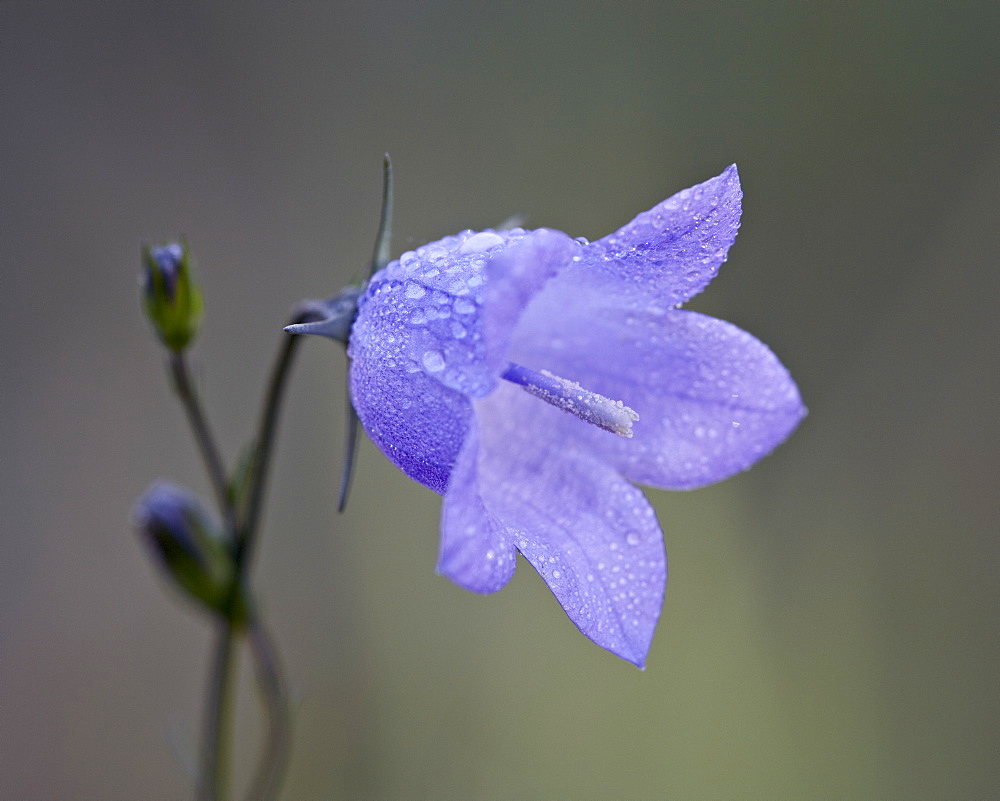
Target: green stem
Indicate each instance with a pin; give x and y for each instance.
(269, 678)
(219, 711)
(270, 683)
(249, 517)
(241, 525)
(184, 387)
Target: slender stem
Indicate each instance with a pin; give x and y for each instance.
(219, 710)
(214, 778)
(246, 522)
(184, 387)
(249, 518)
(242, 527)
(271, 686)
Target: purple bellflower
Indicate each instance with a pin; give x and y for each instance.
(530, 378)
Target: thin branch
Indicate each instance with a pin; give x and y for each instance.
(270, 683)
(214, 465)
(216, 753)
(249, 520)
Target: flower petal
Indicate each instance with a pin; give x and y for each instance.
(590, 534)
(417, 422)
(513, 277)
(712, 399)
(672, 251)
(477, 550)
(432, 331)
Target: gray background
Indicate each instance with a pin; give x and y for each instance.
(830, 627)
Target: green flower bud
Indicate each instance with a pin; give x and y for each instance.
(172, 301)
(187, 546)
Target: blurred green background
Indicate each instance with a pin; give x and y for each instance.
(830, 627)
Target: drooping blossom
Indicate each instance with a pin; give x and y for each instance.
(531, 378)
(181, 537)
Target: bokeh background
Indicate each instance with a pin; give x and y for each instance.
(830, 627)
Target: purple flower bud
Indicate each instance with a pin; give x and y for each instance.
(185, 544)
(165, 260)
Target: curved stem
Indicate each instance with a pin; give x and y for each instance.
(271, 686)
(214, 782)
(184, 387)
(242, 525)
(249, 517)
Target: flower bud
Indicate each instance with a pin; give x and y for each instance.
(172, 301)
(187, 546)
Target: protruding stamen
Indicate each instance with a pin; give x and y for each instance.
(611, 415)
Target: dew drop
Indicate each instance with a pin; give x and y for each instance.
(477, 243)
(414, 290)
(632, 538)
(433, 361)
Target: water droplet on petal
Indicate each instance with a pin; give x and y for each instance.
(433, 361)
(478, 243)
(414, 290)
(632, 538)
